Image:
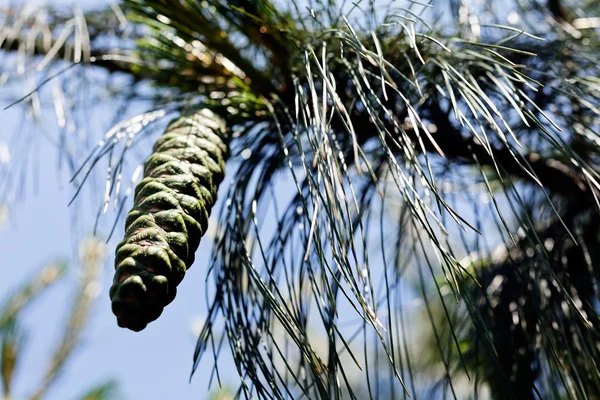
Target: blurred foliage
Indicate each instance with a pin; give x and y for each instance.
(221, 394)
(106, 391)
(13, 332)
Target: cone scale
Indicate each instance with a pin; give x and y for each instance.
(169, 216)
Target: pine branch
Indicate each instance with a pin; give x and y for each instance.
(190, 20)
(103, 59)
(557, 177)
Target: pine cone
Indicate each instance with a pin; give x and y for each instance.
(169, 216)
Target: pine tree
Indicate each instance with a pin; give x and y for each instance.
(382, 154)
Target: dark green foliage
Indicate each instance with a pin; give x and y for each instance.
(540, 314)
(169, 216)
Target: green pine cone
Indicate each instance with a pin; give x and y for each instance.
(169, 216)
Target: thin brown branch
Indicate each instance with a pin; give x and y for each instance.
(556, 176)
